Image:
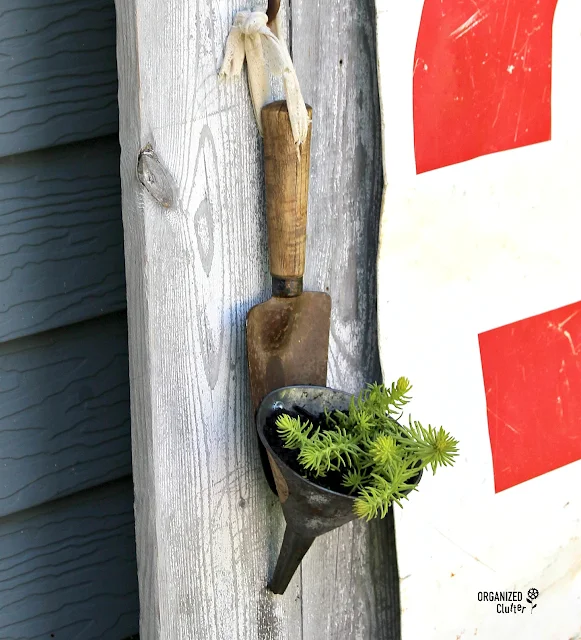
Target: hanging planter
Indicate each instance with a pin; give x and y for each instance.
(333, 457)
(336, 457)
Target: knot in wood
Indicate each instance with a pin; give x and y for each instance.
(156, 179)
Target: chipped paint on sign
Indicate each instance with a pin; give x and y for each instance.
(482, 80)
(482, 256)
(532, 380)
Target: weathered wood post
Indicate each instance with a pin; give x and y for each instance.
(208, 529)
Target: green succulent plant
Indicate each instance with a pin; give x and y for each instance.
(380, 459)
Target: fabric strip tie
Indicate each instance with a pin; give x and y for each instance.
(252, 40)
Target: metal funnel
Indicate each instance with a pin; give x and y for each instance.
(309, 509)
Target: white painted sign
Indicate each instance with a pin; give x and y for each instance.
(479, 304)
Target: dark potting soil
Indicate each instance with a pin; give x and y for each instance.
(330, 481)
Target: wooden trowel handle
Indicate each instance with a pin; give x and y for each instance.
(287, 192)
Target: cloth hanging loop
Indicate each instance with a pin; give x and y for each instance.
(252, 40)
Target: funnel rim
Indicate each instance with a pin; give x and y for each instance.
(266, 404)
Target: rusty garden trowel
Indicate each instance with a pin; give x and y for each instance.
(288, 335)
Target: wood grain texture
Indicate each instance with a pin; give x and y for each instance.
(286, 178)
(57, 72)
(68, 570)
(64, 412)
(61, 237)
(208, 527)
(333, 46)
(208, 530)
(142, 397)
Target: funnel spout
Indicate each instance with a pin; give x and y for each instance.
(294, 546)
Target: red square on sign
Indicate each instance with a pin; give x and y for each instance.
(532, 377)
(482, 79)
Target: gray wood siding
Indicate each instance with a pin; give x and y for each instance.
(64, 412)
(67, 538)
(58, 79)
(61, 237)
(67, 569)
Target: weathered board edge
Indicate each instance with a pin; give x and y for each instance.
(142, 435)
(334, 50)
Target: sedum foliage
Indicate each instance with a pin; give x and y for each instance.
(379, 458)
